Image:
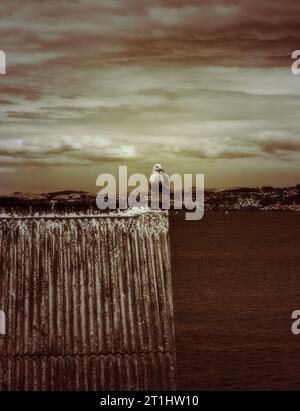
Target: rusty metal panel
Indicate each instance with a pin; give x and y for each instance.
(88, 290)
(88, 372)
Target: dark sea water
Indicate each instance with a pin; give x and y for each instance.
(236, 281)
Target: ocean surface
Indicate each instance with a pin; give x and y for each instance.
(236, 281)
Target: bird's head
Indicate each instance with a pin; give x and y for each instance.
(158, 168)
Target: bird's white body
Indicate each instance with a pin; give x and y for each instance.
(159, 177)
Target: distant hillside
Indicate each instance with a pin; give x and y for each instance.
(240, 198)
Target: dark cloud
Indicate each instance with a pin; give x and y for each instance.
(109, 31)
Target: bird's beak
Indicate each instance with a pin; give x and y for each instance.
(161, 169)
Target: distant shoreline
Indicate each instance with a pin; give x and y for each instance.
(243, 198)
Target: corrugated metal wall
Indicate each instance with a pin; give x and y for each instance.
(88, 303)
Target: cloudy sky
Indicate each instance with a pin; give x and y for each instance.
(199, 86)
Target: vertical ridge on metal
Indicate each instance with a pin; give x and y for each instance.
(88, 303)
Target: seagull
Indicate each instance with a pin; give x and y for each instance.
(159, 176)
